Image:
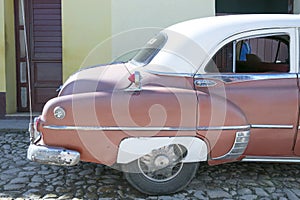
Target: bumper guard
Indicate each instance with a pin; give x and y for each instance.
(52, 155)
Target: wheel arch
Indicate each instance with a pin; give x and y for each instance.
(133, 148)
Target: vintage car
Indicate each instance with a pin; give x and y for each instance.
(215, 90)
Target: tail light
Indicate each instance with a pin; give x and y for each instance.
(136, 79)
(131, 78)
(35, 135)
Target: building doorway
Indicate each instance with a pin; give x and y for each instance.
(44, 36)
(254, 6)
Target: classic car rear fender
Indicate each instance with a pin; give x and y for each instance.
(223, 125)
(131, 149)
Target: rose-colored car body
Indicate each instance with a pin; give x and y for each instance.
(114, 114)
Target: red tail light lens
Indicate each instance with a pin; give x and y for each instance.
(131, 78)
(37, 121)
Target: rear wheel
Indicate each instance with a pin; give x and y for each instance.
(161, 171)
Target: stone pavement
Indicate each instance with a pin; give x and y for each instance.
(20, 178)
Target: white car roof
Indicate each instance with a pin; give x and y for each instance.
(209, 30)
(190, 42)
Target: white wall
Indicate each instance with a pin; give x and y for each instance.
(86, 23)
(129, 15)
(107, 29)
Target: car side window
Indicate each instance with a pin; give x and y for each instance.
(268, 54)
(222, 61)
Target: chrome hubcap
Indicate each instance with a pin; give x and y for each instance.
(162, 164)
(161, 161)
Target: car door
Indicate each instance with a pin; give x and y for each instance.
(297, 142)
(261, 85)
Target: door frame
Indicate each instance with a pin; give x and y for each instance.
(37, 98)
(18, 28)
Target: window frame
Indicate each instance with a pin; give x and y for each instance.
(291, 32)
(297, 44)
(264, 36)
(153, 50)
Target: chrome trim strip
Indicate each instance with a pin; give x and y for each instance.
(205, 83)
(240, 144)
(170, 74)
(272, 159)
(234, 78)
(234, 57)
(224, 128)
(272, 126)
(200, 128)
(115, 128)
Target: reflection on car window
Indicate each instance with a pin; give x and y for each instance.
(245, 49)
(222, 61)
(147, 53)
(253, 55)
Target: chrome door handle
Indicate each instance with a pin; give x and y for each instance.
(205, 83)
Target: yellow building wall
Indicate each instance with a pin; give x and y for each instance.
(2, 48)
(132, 19)
(7, 55)
(96, 32)
(86, 24)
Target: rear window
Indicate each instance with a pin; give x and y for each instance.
(148, 52)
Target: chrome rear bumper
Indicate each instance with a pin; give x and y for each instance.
(52, 155)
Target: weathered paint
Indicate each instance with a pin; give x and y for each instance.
(10, 56)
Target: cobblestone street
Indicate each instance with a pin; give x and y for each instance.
(22, 179)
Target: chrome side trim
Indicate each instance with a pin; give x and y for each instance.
(205, 83)
(131, 88)
(271, 159)
(224, 128)
(234, 57)
(239, 146)
(273, 126)
(115, 128)
(171, 74)
(234, 78)
(200, 128)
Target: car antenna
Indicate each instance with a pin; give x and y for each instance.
(27, 63)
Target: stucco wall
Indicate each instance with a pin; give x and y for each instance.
(10, 57)
(93, 30)
(129, 15)
(2, 48)
(86, 23)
